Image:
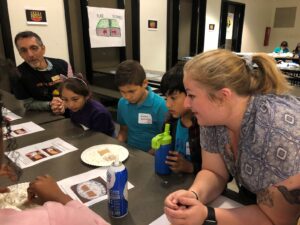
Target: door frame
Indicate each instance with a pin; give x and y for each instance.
(238, 25)
(197, 29)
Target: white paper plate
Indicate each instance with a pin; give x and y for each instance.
(104, 155)
(16, 198)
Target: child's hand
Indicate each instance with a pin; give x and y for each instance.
(57, 105)
(6, 171)
(44, 188)
(177, 163)
(151, 151)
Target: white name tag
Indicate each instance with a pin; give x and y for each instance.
(188, 151)
(145, 118)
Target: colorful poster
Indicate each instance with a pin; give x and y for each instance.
(106, 27)
(35, 16)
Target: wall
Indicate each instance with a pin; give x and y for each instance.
(258, 15)
(213, 10)
(291, 35)
(54, 34)
(153, 44)
(255, 21)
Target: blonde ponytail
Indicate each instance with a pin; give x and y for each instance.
(220, 68)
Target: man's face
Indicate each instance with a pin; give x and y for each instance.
(32, 52)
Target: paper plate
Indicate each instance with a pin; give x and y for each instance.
(16, 198)
(104, 155)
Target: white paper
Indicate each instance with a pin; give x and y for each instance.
(23, 129)
(9, 115)
(106, 27)
(220, 202)
(40, 152)
(72, 186)
(162, 220)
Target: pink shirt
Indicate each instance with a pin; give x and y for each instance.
(52, 213)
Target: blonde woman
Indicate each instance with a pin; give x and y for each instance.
(250, 129)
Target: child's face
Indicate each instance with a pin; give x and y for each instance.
(133, 93)
(175, 104)
(72, 101)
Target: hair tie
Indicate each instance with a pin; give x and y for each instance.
(248, 61)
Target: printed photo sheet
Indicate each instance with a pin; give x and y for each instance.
(22, 129)
(9, 115)
(40, 152)
(89, 188)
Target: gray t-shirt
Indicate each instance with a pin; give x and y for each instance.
(269, 144)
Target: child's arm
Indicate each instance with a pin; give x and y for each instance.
(122, 136)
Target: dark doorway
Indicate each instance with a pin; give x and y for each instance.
(7, 48)
(186, 29)
(231, 25)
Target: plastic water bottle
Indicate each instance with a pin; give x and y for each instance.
(162, 144)
(117, 190)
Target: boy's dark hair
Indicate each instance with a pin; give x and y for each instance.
(77, 85)
(28, 34)
(172, 80)
(130, 72)
(284, 44)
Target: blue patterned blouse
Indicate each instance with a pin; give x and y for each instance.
(269, 144)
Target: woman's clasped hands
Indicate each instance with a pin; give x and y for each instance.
(182, 208)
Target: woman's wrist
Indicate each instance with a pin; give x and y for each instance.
(195, 193)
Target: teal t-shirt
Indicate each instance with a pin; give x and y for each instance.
(182, 140)
(144, 121)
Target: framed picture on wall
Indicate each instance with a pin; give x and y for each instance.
(36, 16)
(152, 24)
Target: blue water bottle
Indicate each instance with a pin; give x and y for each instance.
(161, 143)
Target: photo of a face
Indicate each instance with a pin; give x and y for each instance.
(36, 155)
(20, 131)
(52, 150)
(90, 189)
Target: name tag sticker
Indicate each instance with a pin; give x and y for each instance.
(145, 118)
(55, 78)
(188, 151)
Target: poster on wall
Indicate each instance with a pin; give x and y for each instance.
(229, 26)
(106, 27)
(36, 17)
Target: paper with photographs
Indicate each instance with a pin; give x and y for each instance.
(22, 129)
(40, 152)
(89, 188)
(9, 115)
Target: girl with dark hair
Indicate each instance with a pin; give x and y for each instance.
(58, 208)
(82, 109)
(283, 48)
(296, 51)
